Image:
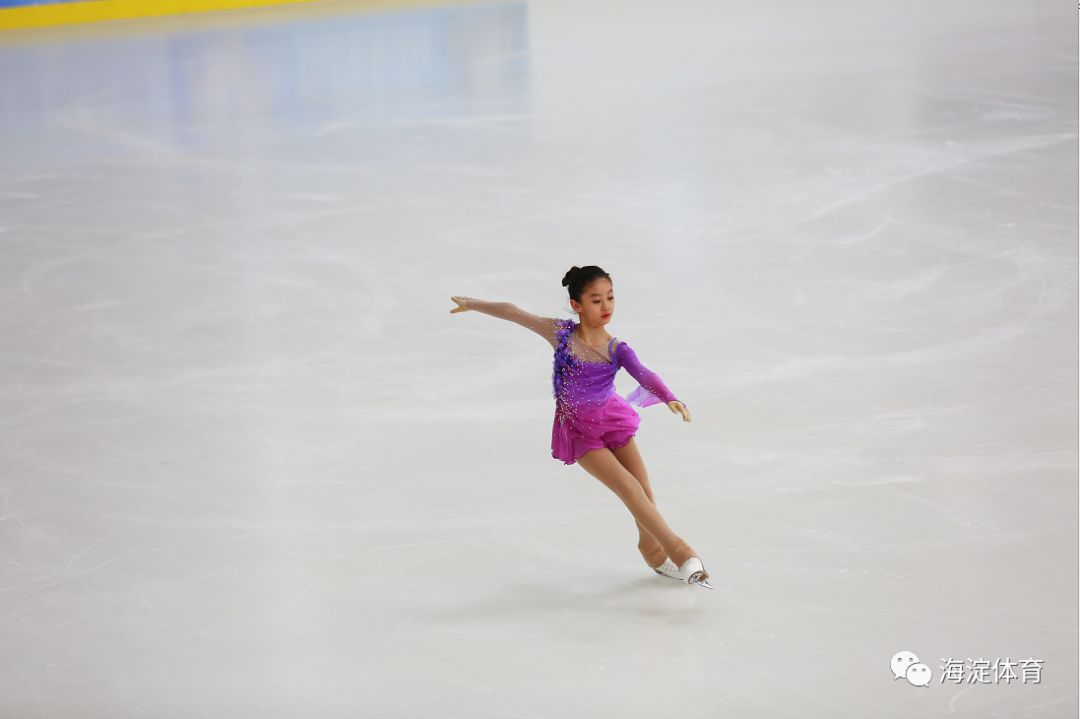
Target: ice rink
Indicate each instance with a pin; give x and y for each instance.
(251, 467)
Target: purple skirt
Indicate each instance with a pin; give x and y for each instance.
(610, 424)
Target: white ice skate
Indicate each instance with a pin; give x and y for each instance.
(693, 571)
(668, 569)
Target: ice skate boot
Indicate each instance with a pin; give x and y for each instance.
(693, 571)
(668, 569)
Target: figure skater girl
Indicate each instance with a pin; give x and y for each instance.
(593, 425)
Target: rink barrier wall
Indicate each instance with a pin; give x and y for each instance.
(20, 14)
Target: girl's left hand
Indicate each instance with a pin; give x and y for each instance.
(680, 408)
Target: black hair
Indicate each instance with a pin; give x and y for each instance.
(578, 278)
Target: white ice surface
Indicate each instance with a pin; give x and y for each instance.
(250, 466)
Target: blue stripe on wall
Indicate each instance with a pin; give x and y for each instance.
(24, 3)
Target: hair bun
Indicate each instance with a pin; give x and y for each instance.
(569, 276)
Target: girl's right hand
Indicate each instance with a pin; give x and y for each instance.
(679, 408)
(461, 301)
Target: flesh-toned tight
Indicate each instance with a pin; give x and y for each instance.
(623, 472)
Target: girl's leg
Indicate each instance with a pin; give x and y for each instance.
(601, 463)
(630, 457)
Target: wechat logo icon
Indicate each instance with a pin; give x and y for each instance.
(905, 665)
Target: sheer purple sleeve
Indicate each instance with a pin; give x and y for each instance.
(651, 389)
(543, 326)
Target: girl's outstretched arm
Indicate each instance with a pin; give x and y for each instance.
(543, 326)
(650, 381)
(651, 389)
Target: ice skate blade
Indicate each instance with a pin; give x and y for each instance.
(701, 583)
(666, 575)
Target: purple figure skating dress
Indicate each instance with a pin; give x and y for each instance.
(589, 414)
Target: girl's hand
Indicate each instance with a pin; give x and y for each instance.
(679, 408)
(461, 301)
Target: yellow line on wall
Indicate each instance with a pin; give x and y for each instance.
(67, 13)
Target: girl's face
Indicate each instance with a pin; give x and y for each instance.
(597, 303)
